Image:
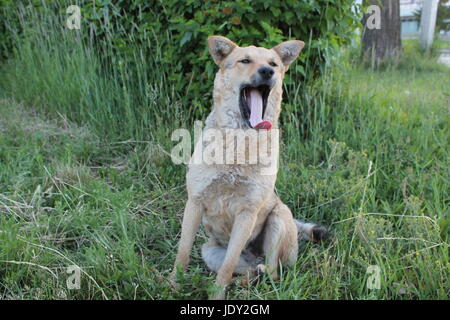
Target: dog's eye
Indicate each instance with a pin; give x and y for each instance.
(246, 61)
(273, 64)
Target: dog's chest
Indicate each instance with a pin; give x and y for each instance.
(227, 195)
(224, 193)
(223, 198)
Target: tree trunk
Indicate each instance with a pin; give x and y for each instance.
(382, 44)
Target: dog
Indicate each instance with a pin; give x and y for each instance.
(246, 222)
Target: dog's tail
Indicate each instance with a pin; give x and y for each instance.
(310, 231)
(214, 255)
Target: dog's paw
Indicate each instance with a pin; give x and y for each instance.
(219, 294)
(319, 233)
(264, 269)
(173, 282)
(261, 269)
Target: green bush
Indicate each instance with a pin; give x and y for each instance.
(182, 28)
(128, 51)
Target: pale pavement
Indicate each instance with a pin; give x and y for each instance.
(444, 57)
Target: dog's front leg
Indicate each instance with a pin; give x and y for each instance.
(191, 221)
(241, 232)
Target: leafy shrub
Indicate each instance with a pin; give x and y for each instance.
(132, 48)
(182, 27)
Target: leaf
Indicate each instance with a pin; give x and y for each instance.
(187, 36)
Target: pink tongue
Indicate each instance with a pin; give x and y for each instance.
(256, 108)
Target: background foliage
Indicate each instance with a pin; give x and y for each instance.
(180, 28)
(85, 178)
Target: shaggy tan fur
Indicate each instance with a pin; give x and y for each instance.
(241, 214)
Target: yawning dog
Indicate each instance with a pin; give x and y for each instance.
(248, 226)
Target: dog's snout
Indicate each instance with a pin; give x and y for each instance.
(266, 72)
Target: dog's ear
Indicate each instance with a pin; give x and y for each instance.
(289, 50)
(220, 48)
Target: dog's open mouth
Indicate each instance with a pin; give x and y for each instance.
(253, 103)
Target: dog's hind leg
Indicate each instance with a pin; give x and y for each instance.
(310, 231)
(214, 255)
(280, 239)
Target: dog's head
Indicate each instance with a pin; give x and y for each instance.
(254, 73)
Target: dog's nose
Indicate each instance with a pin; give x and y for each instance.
(266, 72)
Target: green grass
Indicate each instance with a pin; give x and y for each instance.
(85, 179)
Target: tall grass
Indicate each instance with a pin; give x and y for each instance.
(71, 72)
(364, 152)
